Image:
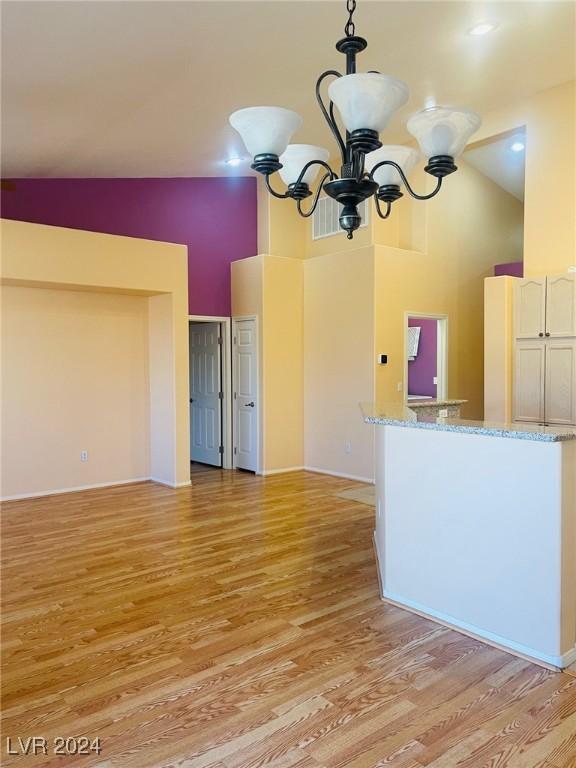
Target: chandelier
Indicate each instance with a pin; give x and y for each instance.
(365, 102)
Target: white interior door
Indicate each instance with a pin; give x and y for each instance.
(529, 372)
(560, 382)
(530, 308)
(205, 394)
(246, 395)
(561, 305)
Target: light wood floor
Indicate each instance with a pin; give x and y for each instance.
(237, 624)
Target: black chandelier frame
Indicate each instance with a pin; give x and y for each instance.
(355, 184)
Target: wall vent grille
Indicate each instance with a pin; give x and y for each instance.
(325, 217)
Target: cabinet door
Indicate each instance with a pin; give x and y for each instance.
(561, 305)
(529, 371)
(530, 308)
(560, 382)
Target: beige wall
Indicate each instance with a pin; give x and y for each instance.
(67, 260)
(282, 330)
(281, 230)
(498, 348)
(75, 377)
(338, 361)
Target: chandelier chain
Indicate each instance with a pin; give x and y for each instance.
(350, 27)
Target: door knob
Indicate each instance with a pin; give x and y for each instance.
(191, 399)
(250, 405)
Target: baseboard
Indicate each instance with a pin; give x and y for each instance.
(346, 476)
(75, 489)
(183, 484)
(502, 643)
(281, 471)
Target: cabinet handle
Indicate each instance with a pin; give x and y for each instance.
(547, 334)
(540, 334)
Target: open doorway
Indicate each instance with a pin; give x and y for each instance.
(426, 360)
(210, 392)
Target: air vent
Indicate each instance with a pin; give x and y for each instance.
(325, 218)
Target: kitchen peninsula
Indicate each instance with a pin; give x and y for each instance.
(476, 527)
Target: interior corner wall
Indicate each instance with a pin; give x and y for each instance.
(550, 218)
(339, 362)
(79, 369)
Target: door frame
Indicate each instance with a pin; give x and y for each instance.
(441, 353)
(226, 334)
(259, 440)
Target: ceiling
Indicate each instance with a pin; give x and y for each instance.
(500, 163)
(137, 88)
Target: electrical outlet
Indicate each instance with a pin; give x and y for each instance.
(443, 412)
(347, 447)
(435, 380)
(83, 455)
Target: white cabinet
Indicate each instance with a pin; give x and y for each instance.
(530, 370)
(545, 350)
(545, 307)
(530, 308)
(561, 305)
(560, 387)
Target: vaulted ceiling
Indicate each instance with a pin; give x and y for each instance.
(145, 88)
(497, 160)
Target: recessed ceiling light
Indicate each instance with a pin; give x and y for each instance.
(517, 146)
(482, 29)
(234, 161)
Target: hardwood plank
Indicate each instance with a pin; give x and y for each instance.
(237, 624)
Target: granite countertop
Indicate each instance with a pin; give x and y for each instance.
(432, 403)
(398, 415)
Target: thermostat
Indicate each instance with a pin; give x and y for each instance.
(382, 359)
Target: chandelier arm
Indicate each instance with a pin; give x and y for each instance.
(405, 180)
(329, 116)
(279, 195)
(379, 210)
(316, 197)
(329, 170)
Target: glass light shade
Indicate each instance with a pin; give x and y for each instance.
(367, 99)
(443, 131)
(295, 158)
(405, 157)
(265, 130)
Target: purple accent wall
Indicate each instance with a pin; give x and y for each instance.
(422, 370)
(512, 268)
(214, 217)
